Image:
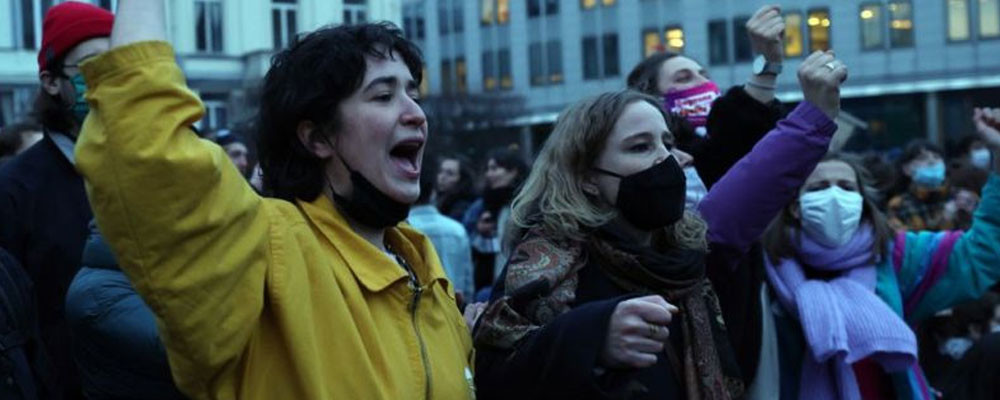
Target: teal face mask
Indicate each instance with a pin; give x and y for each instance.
(80, 106)
(930, 176)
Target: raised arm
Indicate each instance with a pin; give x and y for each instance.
(740, 206)
(939, 270)
(187, 229)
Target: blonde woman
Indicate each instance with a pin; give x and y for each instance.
(605, 294)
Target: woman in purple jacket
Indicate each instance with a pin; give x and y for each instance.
(605, 294)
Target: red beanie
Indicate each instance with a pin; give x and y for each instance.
(68, 24)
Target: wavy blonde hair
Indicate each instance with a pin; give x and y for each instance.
(553, 197)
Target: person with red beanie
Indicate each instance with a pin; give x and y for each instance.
(43, 205)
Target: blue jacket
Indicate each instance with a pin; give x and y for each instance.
(116, 343)
(451, 243)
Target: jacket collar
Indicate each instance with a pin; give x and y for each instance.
(373, 268)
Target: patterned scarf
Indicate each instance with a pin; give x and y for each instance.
(709, 365)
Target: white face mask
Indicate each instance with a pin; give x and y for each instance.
(955, 347)
(831, 216)
(980, 158)
(695, 189)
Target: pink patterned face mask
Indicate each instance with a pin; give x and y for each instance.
(693, 104)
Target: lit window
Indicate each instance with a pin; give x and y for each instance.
(608, 3)
(871, 27)
(506, 81)
(989, 18)
(536, 66)
(674, 39)
(487, 14)
(489, 76)
(958, 20)
(503, 11)
(819, 30)
(425, 84)
(794, 42)
(900, 24)
(650, 43)
(588, 4)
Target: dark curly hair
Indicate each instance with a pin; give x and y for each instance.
(307, 82)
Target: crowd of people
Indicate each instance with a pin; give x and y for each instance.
(671, 240)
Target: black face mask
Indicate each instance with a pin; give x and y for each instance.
(652, 198)
(368, 205)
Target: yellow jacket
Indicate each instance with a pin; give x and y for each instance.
(255, 298)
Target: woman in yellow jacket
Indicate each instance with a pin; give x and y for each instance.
(317, 293)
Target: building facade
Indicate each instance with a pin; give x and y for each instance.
(917, 67)
(223, 46)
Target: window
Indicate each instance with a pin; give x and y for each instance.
(458, 23)
(443, 20)
(650, 42)
(591, 65)
(741, 40)
(283, 22)
(958, 20)
(534, 8)
(535, 58)
(461, 76)
(215, 113)
(408, 28)
(871, 26)
(503, 57)
(675, 39)
(355, 12)
(110, 5)
(989, 19)
(611, 67)
(28, 21)
(819, 30)
(425, 81)
(588, 4)
(489, 71)
(420, 27)
(794, 42)
(486, 17)
(608, 3)
(208, 26)
(446, 77)
(551, 7)
(554, 51)
(718, 42)
(900, 24)
(503, 12)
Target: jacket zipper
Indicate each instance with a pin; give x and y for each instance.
(417, 291)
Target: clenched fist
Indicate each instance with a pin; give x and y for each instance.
(767, 30)
(637, 332)
(820, 76)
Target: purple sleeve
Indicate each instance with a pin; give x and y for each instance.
(741, 205)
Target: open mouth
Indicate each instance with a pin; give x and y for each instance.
(406, 155)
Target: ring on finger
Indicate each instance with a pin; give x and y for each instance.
(831, 65)
(653, 330)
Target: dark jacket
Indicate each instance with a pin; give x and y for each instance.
(115, 339)
(43, 223)
(25, 371)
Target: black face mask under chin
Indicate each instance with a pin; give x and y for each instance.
(368, 205)
(652, 198)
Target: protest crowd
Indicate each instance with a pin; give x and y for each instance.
(670, 240)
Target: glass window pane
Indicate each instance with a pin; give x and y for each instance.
(200, 26)
(551, 7)
(536, 66)
(819, 30)
(591, 66)
(650, 43)
(489, 76)
(534, 8)
(292, 24)
(554, 52)
(27, 24)
(347, 17)
(457, 22)
(420, 27)
(611, 65)
(587, 4)
(503, 11)
(871, 26)
(958, 20)
(608, 3)
(794, 42)
(486, 17)
(718, 42)
(425, 81)
(361, 17)
(276, 29)
(506, 80)
(443, 21)
(216, 9)
(446, 77)
(989, 18)
(674, 39)
(461, 78)
(741, 39)
(900, 24)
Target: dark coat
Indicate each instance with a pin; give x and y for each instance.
(43, 223)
